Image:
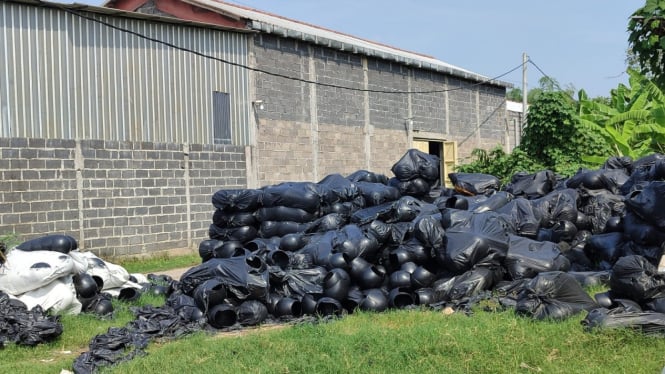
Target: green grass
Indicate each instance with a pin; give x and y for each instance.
(78, 330)
(411, 341)
(157, 263)
(390, 342)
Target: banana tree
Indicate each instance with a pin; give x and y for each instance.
(633, 124)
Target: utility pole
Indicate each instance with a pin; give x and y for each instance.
(525, 59)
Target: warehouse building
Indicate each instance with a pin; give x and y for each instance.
(118, 123)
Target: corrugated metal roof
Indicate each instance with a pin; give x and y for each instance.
(123, 13)
(271, 23)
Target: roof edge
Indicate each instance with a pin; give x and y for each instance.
(126, 14)
(348, 47)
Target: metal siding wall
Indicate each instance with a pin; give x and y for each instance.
(68, 77)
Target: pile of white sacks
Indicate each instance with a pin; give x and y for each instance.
(51, 272)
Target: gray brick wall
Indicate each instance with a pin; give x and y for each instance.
(462, 104)
(212, 167)
(387, 111)
(284, 99)
(37, 187)
(127, 199)
(293, 146)
(339, 106)
(428, 109)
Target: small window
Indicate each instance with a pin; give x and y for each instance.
(221, 117)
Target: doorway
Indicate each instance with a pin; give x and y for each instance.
(446, 151)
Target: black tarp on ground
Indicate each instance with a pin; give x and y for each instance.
(26, 327)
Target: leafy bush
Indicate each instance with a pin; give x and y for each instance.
(500, 164)
(554, 137)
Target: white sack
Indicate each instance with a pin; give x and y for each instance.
(112, 275)
(29, 270)
(59, 297)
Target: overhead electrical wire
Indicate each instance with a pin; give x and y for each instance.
(184, 49)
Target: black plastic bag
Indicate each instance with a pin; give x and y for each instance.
(225, 219)
(599, 206)
(270, 229)
(474, 282)
(429, 231)
(251, 312)
(407, 208)
(411, 250)
(298, 282)
(331, 221)
(490, 203)
(557, 206)
(300, 195)
(415, 163)
(474, 183)
(52, 242)
(378, 193)
(592, 278)
(650, 323)
(381, 212)
(241, 234)
(608, 179)
(244, 277)
(209, 293)
(284, 213)
(118, 344)
(472, 239)
(237, 200)
(319, 250)
(348, 240)
(367, 176)
(641, 232)
(416, 187)
(649, 203)
(526, 258)
(335, 188)
(606, 247)
(531, 186)
(616, 162)
(26, 327)
(553, 295)
(635, 278)
(525, 218)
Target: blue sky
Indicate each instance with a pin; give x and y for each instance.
(580, 42)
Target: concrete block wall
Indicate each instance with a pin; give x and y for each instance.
(211, 168)
(387, 111)
(38, 191)
(284, 150)
(115, 198)
(462, 106)
(429, 109)
(133, 196)
(339, 106)
(388, 146)
(493, 125)
(284, 99)
(306, 132)
(341, 149)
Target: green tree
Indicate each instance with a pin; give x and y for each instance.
(548, 84)
(632, 122)
(514, 94)
(553, 136)
(647, 39)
